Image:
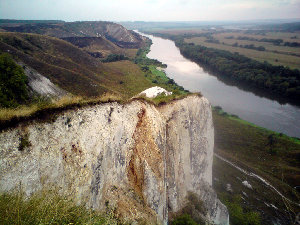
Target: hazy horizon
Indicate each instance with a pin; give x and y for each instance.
(150, 10)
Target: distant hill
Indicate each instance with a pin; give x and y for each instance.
(111, 31)
(99, 39)
(71, 68)
(19, 22)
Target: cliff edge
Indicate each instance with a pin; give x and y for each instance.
(140, 159)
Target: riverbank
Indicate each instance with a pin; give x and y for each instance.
(262, 111)
(271, 155)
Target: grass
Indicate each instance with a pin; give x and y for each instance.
(129, 78)
(273, 155)
(258, 200)
(71, 68)
(122, 80)
(14, 115)
(237, 214)
(271, 57)
(48, 207)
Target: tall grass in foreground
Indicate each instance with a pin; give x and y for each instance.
(48, 207)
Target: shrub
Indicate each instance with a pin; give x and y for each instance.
(237, 215)
(193, 212)
(184, 220)
(13, 88)
(24, 142)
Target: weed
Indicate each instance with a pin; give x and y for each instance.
(24, 142)
(47, 207)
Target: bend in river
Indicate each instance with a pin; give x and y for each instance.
(248, 106)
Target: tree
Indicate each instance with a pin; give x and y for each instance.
(13, 83)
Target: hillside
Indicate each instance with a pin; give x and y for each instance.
(94, 35)
(65, 65)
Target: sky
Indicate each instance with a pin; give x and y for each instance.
(150, 10)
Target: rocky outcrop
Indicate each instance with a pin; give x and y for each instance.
(138, 158)
(40, 84)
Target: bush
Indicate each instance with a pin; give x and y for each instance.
(115, 57)
(184, 220)
(237, 215)
(194, 211)
(13, 83)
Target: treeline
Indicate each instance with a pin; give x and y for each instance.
(115, 57)
(274, 79)
(251, 46)
(269, 40)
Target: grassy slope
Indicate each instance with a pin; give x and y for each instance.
(243, 142)
(100, 44)
(69, 67)
(82, 75)
(248, 146)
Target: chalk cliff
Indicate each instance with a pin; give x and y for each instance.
(138, 158)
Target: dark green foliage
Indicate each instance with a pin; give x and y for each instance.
(155, 74)
(278, 80)
(13, 88)
(184, 220)
(292, 44)
(193, 212)
(114, 58)
(141, 58)
(24, 142)
(238, 215)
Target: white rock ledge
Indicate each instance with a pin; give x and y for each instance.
(155, 91)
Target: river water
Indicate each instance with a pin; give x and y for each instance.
(248, 106)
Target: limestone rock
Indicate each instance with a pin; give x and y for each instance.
(136, 157)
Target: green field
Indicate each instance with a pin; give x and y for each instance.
(274, 154)
(274, 58)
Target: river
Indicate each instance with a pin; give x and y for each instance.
(283, 118)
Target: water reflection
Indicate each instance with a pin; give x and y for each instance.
(259, 110)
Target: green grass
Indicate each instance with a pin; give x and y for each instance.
(48, 207)
(271, 154)
(253, 200)
(237, 214)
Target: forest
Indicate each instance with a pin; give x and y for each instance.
(278, 80)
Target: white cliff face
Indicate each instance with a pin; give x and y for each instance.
(139, 158)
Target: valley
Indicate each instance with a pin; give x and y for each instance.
(95, 72)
